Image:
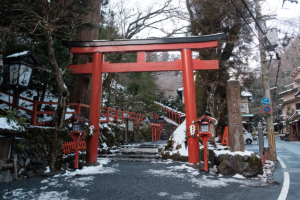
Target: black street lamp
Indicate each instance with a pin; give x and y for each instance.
(20, 70)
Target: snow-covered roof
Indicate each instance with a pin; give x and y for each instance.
(295, 116)
(286, 91)
(294, 73)
(288, 85)
(18, 54)
(297, 93)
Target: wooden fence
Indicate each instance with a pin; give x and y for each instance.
(110, 114)
(69, 147)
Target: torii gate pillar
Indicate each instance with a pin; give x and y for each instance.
(95, 103)
(190, 104)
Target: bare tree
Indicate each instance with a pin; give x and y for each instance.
(44, 20)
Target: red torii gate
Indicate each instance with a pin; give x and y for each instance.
(140, 46)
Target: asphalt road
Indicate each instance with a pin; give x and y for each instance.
(159, 180)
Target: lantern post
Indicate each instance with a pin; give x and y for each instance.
(78, 133)
(203, 127)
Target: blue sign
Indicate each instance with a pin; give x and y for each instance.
(267, 109)
(265, 101)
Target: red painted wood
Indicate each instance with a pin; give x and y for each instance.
(95, 101)
(146, 48)
(145, 67)
(190, 104)
(141, 57)
(34, 112)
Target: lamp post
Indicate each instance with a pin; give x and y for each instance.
(20, 70)
(203, 127)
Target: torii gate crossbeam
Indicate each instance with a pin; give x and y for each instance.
(185, 45)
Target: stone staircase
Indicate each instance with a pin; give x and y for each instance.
(147, 151)
(168, 130)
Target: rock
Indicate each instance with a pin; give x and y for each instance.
(27, 162)
(37, 162)
(26, 149)
(21, 171)
(194, 166)
(165, 155)
(212, 173)
(210, 156)
(0, 166)
(24, 155)
(214, 170)
(40, 171)
(21, 162)
(183, 159)
(249, 174)
(4, 167)
(231, 165)
(219, 159)
(255, 164)
(30, 174)
(1, 178)
(293, 137)
(238, 164)
(245, 158)
(7, 176)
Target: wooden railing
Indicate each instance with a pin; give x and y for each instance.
(110, 114)
(69, 147)
(175, 116)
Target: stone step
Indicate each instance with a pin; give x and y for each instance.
(129, 156)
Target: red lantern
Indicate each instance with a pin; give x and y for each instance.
(77, 132)
(203, 127)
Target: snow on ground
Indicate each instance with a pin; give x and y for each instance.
(10, 126)
(179, 137)
(170, 121)
(76, 179)
(193, 176)
(91, 170)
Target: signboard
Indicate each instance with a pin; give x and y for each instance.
(267, 109)
(265, 101)
(130, 126)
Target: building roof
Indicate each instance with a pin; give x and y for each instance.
(288, 85)
(295, 116)
(294, 73)
(287, 91)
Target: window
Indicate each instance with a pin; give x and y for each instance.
(75, 127)
(298, 106)
(244, 107)
(82, 127)
(204, 128)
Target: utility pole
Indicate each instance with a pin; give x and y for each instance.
(265, 80)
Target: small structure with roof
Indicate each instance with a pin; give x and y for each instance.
(77, 132)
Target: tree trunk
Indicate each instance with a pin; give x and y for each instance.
(82, 89)
(201, 94)
(44, 90)
(62, 104)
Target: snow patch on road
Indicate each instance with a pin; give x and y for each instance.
(186, 195)
(162, 194)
